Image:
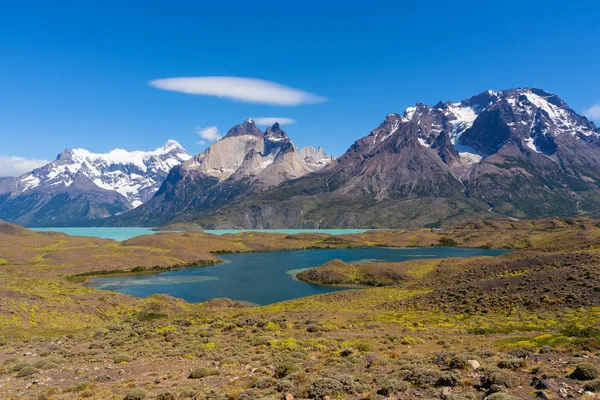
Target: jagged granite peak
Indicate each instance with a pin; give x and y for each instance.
(225, 156)
(244, 161)
(248, 127)
(275, 131)
(81, 185)
(276, 140)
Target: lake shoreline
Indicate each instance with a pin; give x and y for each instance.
(267, 270)
(158, 269)
(86, 277)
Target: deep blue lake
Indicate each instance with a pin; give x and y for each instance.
(264, 278)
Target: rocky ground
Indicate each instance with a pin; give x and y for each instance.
(521, 325)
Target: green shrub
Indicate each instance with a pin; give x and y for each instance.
(499, 377)
(187, 393)
(458, 362)
(166, 396)
(272, 327)
(49, 365)
(200, 373)
(411, 340)
(264, 383)
(585, 372)
(286, 368)
(248, 395)
(448, 379)
(334, 387)
(592, 386)
(262, 340)
(422, 376)
(40, 363)
(364, 347)
(19, 366)
(388, 386)
(136, 394)
(27, 371)
(495, 388)
(284, 385)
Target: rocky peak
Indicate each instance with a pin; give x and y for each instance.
(172, 146)
(481, 100)
(275, 131)
(276, 140)
(248, 127)
(317, 156)
(65, 156)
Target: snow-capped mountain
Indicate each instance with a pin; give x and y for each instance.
(91, 185)
(531, 114)
(245, 161)
(520, 153)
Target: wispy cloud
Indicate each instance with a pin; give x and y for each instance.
(248, 90)
(15, 166)
(593, 112)
(210, 133)
(272, 120)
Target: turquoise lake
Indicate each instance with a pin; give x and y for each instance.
(264, 278)
(127, 233)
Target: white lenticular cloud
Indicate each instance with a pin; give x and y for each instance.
(248, 90)
(272, 120)
(210, 133)
(15, 166)
(593, 112)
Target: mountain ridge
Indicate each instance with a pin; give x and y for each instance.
(80, 185)
(517, 153)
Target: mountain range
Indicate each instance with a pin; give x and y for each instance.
(79, 186)
(517, 153)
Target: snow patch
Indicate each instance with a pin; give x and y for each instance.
(471, 158)
(530, 143)
(409, 112)
(469, 154)
(465, 116)
(423, 142)
(30, 182)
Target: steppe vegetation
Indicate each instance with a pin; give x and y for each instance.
(522, 325)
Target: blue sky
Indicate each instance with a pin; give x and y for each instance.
(76, 74)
